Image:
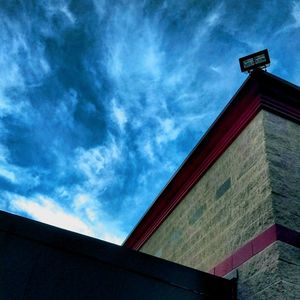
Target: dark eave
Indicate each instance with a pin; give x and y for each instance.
(260, 91)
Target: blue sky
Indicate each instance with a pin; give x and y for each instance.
(102, 100)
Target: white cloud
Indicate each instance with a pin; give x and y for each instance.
(58, 8)
(98, 163)
(49, 211)
(134, 51)
(100, 8)
(64, 112)
(65, 9)
(44, 65)
(11, 176)
(86, 205)
(169, 131)
(119, 114)
(115, 239)
(217, 69)
(151, 62)
(209, 23)
(46, 210)
(296, 14)
(15, 49)
(293, 22)
(148, 150)
(10, 77)
(80, 201)
(13, 173)
(213, 18)
(4, 154)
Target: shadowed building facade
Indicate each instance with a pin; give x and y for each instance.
(233, 207)
(42, 262)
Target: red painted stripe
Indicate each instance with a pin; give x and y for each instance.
(242, 255)
(260, 91)
(263, 240)
(274, 233)
(225, 267)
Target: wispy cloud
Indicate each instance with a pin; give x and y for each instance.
(292, 23)
(47, 210)
(95, 164)
(84, 219)
(119, 115)
(14, 174)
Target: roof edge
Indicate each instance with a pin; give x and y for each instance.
(102, 253)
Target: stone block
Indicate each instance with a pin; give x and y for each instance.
(289, 272)
(223, 188)
(289, 253)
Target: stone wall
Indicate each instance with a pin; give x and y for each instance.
(283, 154)
(254, 184)
(229, 205)
(271, 274)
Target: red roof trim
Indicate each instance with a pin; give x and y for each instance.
(260, 91)
(272, 234)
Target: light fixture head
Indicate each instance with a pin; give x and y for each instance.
(258, 60)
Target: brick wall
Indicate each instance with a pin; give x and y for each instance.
(271, 274)
(254, 184)
(283, 154)
(227, 207)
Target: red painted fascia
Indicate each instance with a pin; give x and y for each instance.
(274, 233)
(261, 90)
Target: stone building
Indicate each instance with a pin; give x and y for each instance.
(233, 207)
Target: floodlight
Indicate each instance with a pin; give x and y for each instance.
(258, 60)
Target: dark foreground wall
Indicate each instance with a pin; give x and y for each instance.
(38, 261)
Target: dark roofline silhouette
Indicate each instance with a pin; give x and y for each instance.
(39, 261)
